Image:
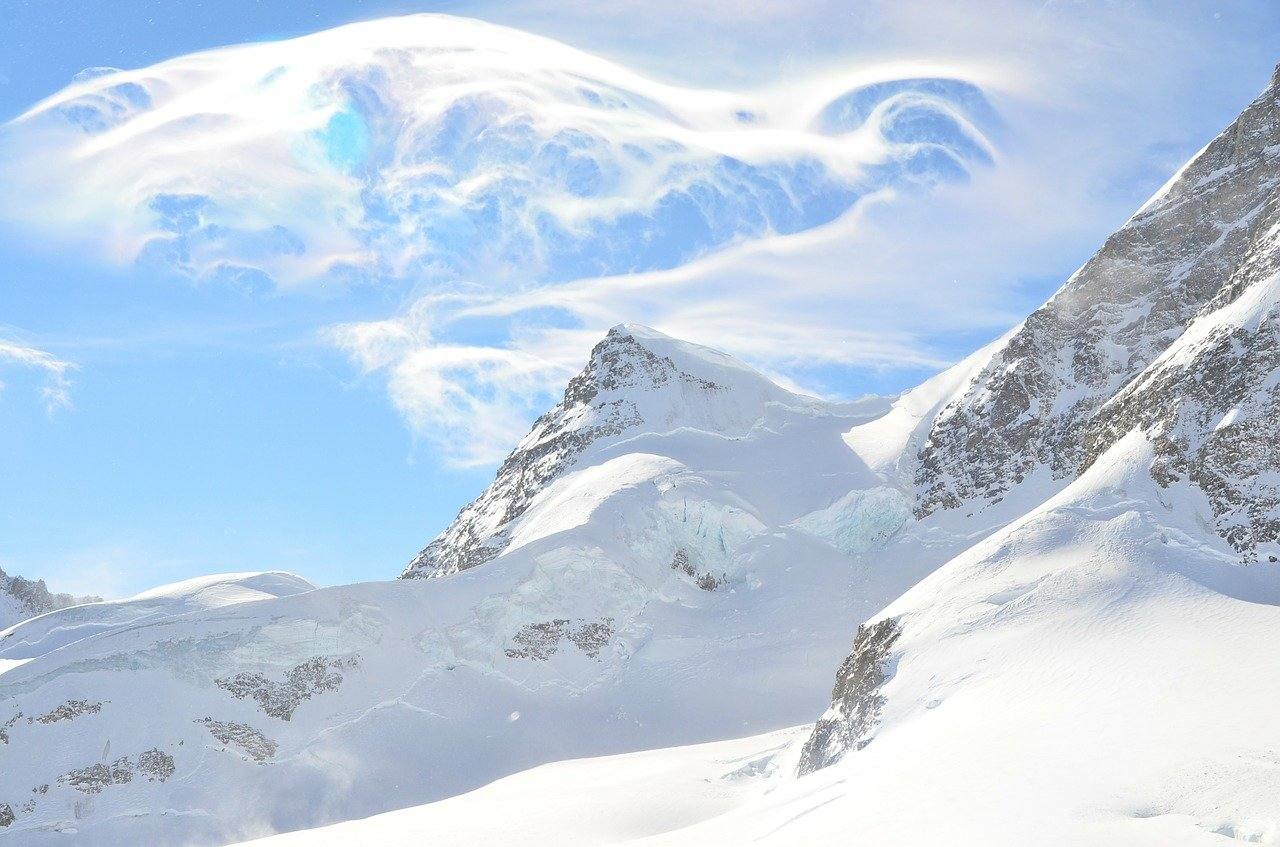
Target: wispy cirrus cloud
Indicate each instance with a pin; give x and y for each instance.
(872, 196)
(473, 401)
(438, 150)
(54, 373)
(497, 179)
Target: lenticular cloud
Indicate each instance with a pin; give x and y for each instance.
(438, 149)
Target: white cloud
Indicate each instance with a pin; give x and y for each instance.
(473, 401)
(445, 149)
(1096, 105)
(56, 383)
(831, 214)
(790, 305)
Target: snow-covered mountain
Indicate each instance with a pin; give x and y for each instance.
(25, 598)
(638, 382)
(1163, 347)
(1060, 550)
(1179, 292)
(674, 556)
(1093, 669)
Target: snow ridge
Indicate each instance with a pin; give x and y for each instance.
(1043, 400)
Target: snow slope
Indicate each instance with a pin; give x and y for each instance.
(1093, 674)
(1090, 675)
(605, 800)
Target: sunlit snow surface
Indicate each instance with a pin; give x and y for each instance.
(654, 594)
(445, 147)
(1105, 631)
(1094, 674)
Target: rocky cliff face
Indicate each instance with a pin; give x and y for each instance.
(1210, 402)
(856, 700)
(1045, 399)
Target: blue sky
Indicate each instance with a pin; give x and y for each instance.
(292, 318)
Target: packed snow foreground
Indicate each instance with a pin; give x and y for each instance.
(1044, 585)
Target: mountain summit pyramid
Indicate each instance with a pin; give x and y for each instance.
(637, 381)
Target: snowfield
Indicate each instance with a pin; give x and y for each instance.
(605, 800)
(1089, 675)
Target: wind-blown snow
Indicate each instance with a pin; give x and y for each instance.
(606, 800)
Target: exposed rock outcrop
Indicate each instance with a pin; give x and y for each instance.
(242, 737)
(33, 597)
(1191, 273)
(856, 701)
(280, 698)
(543, 640)
(70, 710)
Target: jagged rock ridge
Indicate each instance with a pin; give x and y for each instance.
(33, 597)
(856, 699)
(1045, 398)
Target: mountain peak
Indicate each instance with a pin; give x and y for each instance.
(635, 330)
(629, 357)
(637, 380)
(1035, 408)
